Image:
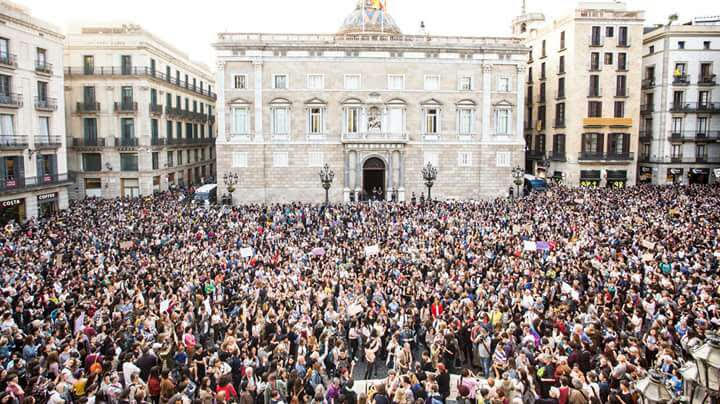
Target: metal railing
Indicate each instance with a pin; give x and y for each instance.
(707, 80)
(13, 142)
(126, 141)
(89, 142)
(8, 59)
(48, 141)
(382, 135)
(694, 135)
(42, 66)
(647, 108)
(646, 134)
(126, 107)
(157, 141)
(87, 107)
(536, 154)
(681, 80)
(156, 109)
(138, 71)
(46, 104)
(20, 182)
(594, 156)
(557, 156)
(711, 107)
(648, 83)
(11, 100)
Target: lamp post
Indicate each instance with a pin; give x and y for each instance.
(707, 361)
(429, 174)
(652, 389)
(518, 174)
(230, 180)
(326, 178)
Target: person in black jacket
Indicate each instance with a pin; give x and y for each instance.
(443, 381)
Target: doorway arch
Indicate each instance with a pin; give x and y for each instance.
(374, 178)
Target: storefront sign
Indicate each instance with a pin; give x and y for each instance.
(47, 197)
(10, 203)
(700, 171)
(675, 171)
(717, 172)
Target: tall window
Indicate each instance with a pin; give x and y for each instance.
(153, 96)
(561, 65)
(152, 67)
(595, 36)
(542, 71)
(562, 40)
(154, 129)
(127, 96)
(155, 160)
(90, 129)
(466, 83)
(44, 127)
(502, 121)
(126, 64)
(560, 115)
(396, 117)
(703, 99)
(623, 39)
(352, 120)
(561, 87)
(609, 32)
(6, 126)
(465, 118)
(622, 61)
(700, 151)
(595, 61)
(5, 85)
(92, 162)
(240, 121)
(594, 109)
(621, 88)
(128, 162)
(592, 143)
(594, 90)
(431, 120)
(169, 129)
(618, 144)
(42, 91)
(677, 125)
(543, 49)
(280, 120)
(558, 145)
(432, 83)
(619, 109)
(41, 58)
(4, 51)
(608, 58)
(127, 128)
(702, 126)
(315, 120)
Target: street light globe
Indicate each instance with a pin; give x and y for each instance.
(652, 389)
(707, 360)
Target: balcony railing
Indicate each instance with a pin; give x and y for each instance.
(695, 136)
(648, 83)
(593, 156)
(42, 66)
(11, 100)
(8, 60)
(706, 107)
(89, 142)
(191, 141)
(707, 80)
(678, 158)
(13, 142)
(87, 107)
(594, 92)
(559, 124)
(126, 141)
(645, 135)
(157, 141)
(138, 71)
(126, 107)
(20, 182)
(46, 104)
(557, 156)
(647, 108)
(156, 109)
(536, 154)
(622, 92)
(403, 137)
(681, 80)
(48, 141)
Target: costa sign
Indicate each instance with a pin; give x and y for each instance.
(10, 203)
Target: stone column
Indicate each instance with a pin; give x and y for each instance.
(358, 173)
(401, 177)
(520, 103)
(222, 135)
(486, 101)
(346, 176)
(389, 180)
(258, 64)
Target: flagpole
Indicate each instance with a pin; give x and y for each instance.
(363, 5)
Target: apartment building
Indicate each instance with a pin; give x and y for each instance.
(374, 104)
(140, 116)
(33, 171)
(680, 127)
(583, 94)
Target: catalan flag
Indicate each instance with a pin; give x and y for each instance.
(378, 5)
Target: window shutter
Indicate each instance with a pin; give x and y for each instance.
(599, 142)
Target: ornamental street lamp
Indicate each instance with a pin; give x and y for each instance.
(707, 360)
(326, 178)
(518, 174)
(230, 180)
(429, 174)
(652, 389)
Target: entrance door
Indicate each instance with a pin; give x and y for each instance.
(374, 179)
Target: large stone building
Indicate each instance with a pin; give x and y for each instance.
(583, 94)
(375, 105)
(140, 113)
(680, 126)
(33, 171)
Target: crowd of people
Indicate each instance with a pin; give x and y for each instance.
(567, 296)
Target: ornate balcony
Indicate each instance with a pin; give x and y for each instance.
(46, 104)
(11, 100)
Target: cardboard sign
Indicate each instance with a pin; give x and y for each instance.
(529, 246)
(647, 244)
(246, 252)
(372, 250)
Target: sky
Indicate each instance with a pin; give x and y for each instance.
(193, 25)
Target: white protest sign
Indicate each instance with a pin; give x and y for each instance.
(246, 252)
(529, 246)
(372, 250)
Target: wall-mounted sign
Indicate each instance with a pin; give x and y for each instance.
(10, 203)
(45, 197)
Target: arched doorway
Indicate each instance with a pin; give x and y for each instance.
(374, 178)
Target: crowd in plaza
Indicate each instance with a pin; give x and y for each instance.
(566, 297)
